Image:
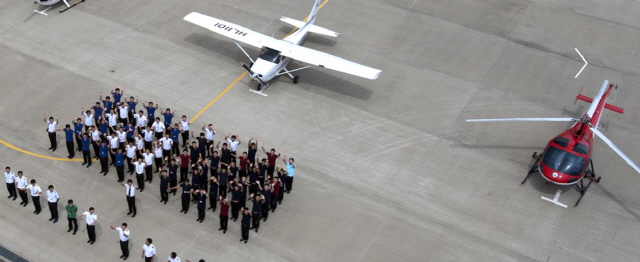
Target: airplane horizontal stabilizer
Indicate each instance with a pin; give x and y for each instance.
(312, 28)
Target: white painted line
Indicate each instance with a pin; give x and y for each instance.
(258, 92)
(585, 63)
(43, 11)
(555, 199)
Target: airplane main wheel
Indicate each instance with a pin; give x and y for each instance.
(259, 87)
(296, 79)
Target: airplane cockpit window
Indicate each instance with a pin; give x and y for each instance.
(270, 55)
(563, 161)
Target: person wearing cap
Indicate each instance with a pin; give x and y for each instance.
(35, 191)
(10, 179)
(21, 185)
(123, 232)
(90, 218)
(148, 251)
(52, 199)
(51, 130)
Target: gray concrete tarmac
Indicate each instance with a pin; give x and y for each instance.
(388, 170)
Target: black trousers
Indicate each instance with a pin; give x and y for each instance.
(185, 202)
(235, 208)
(173, 181)
(113, 158)
(255, 219)
(23, 196)
(130, 165)
(73, 223)
(245, 232)
(280, 195)
(224, 222)
(124, 246)
(11, 187)
(131, 202)
(201, 208)
(158, 161)
(184, 172)
(167, 153)
(274, 202)
(233, 158)
(53, 208)
(86, 155)
(147, 259)
(185, 138)
(120, 171)
(270, 170)
(159, 135)
(72, 153)
(104, 164)
(123, 121)
(265, 211)
(175, 149)
(213, 200)
(148, 144)
(79, 143)
(36, 203)
(140, 180)
(96, 148)
(164, 195)
(149, 172)
(289, 183)
(91, 231)
(222, 190)
(52, 139)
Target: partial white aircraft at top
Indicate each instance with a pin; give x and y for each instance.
(277, 53)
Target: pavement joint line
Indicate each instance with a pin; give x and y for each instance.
(377, 233)
(193, 119)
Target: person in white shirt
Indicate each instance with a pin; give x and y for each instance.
(157, 153)
(10, 179)
(148, 251)
(131, 155)
(95, 140)
(123, 110)
(141, 119)
(90, 218)
(140, 166)
(148, 137)
(88, 119)
(139, 145)
(123, 232)
(209, 134)
(122, 137)
(114, 142)
(148, 168)
(52, 199)
(35, 191)
(21, 185)
(233, 143)
(173, 257)
(130, 191)
(184, 123)
(158, 127)
(112, 118)
(51, 130)
(167, 145)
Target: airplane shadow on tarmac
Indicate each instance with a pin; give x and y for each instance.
(313, 76)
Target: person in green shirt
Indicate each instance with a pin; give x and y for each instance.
(71, 216)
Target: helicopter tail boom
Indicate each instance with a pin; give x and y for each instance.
(587, 99)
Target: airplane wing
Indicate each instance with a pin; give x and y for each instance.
(230, 30)
(322, 59)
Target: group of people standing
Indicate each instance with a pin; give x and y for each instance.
(147, 145)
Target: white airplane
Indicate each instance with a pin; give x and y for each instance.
(50, 4)
(277, 53)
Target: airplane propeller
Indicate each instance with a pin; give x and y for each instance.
(246, 67)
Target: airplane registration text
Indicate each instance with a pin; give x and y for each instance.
(228, 28)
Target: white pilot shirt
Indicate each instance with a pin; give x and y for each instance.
(148, 158)
(95, 135)
(52, 197)
(89, 218)
(158, 126)
(113, 141)
(131, 151)
(35, 190)
(124, 110)
(113, 119)
(209, 134)
(10, 177)
(21, 183)
(177, 259)
(122, 136)
(185, 125)
(139, 142)
(166, 143)
(139, 167)
(149, 250)
(88, 119)
(51, 127)
(148, 135)
(158, 151)
(124, 234)
(141, 120)
(233, 144)
(133, 190)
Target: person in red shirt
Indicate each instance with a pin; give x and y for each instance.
(275, 191)
(244, 162)
(184, 165)
(271, 156)
(224, 214)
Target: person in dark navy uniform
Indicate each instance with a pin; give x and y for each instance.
(186, 194)
(202, 204)
(164, 186)
(246, 221)
(213, 193)
(173, 174)
(256, 210)
(235, 202)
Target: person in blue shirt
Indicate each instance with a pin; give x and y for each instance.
(104, 157)
(97, 111)
(86, 154)
(107, 103)
(175, 135)
(68, 136)
(130, 129)
(103, 126)
(151, 110)
(291, 168)
(119, 155)
(168, 116)
(132, 108)
(77, 127)
(117, 95)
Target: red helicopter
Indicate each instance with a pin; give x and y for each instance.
(566, 159)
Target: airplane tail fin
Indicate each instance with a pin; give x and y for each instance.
(587, 99)
(314, 12)
(312, 28)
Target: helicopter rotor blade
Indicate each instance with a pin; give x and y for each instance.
(615, 148)
(556, 119)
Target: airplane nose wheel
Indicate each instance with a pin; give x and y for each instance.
(259, 88)
(296, 79)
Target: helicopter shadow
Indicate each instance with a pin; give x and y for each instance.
(314, 77)
(620, 203)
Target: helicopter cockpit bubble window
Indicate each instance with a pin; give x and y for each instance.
(270, 55)
(563, 161)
